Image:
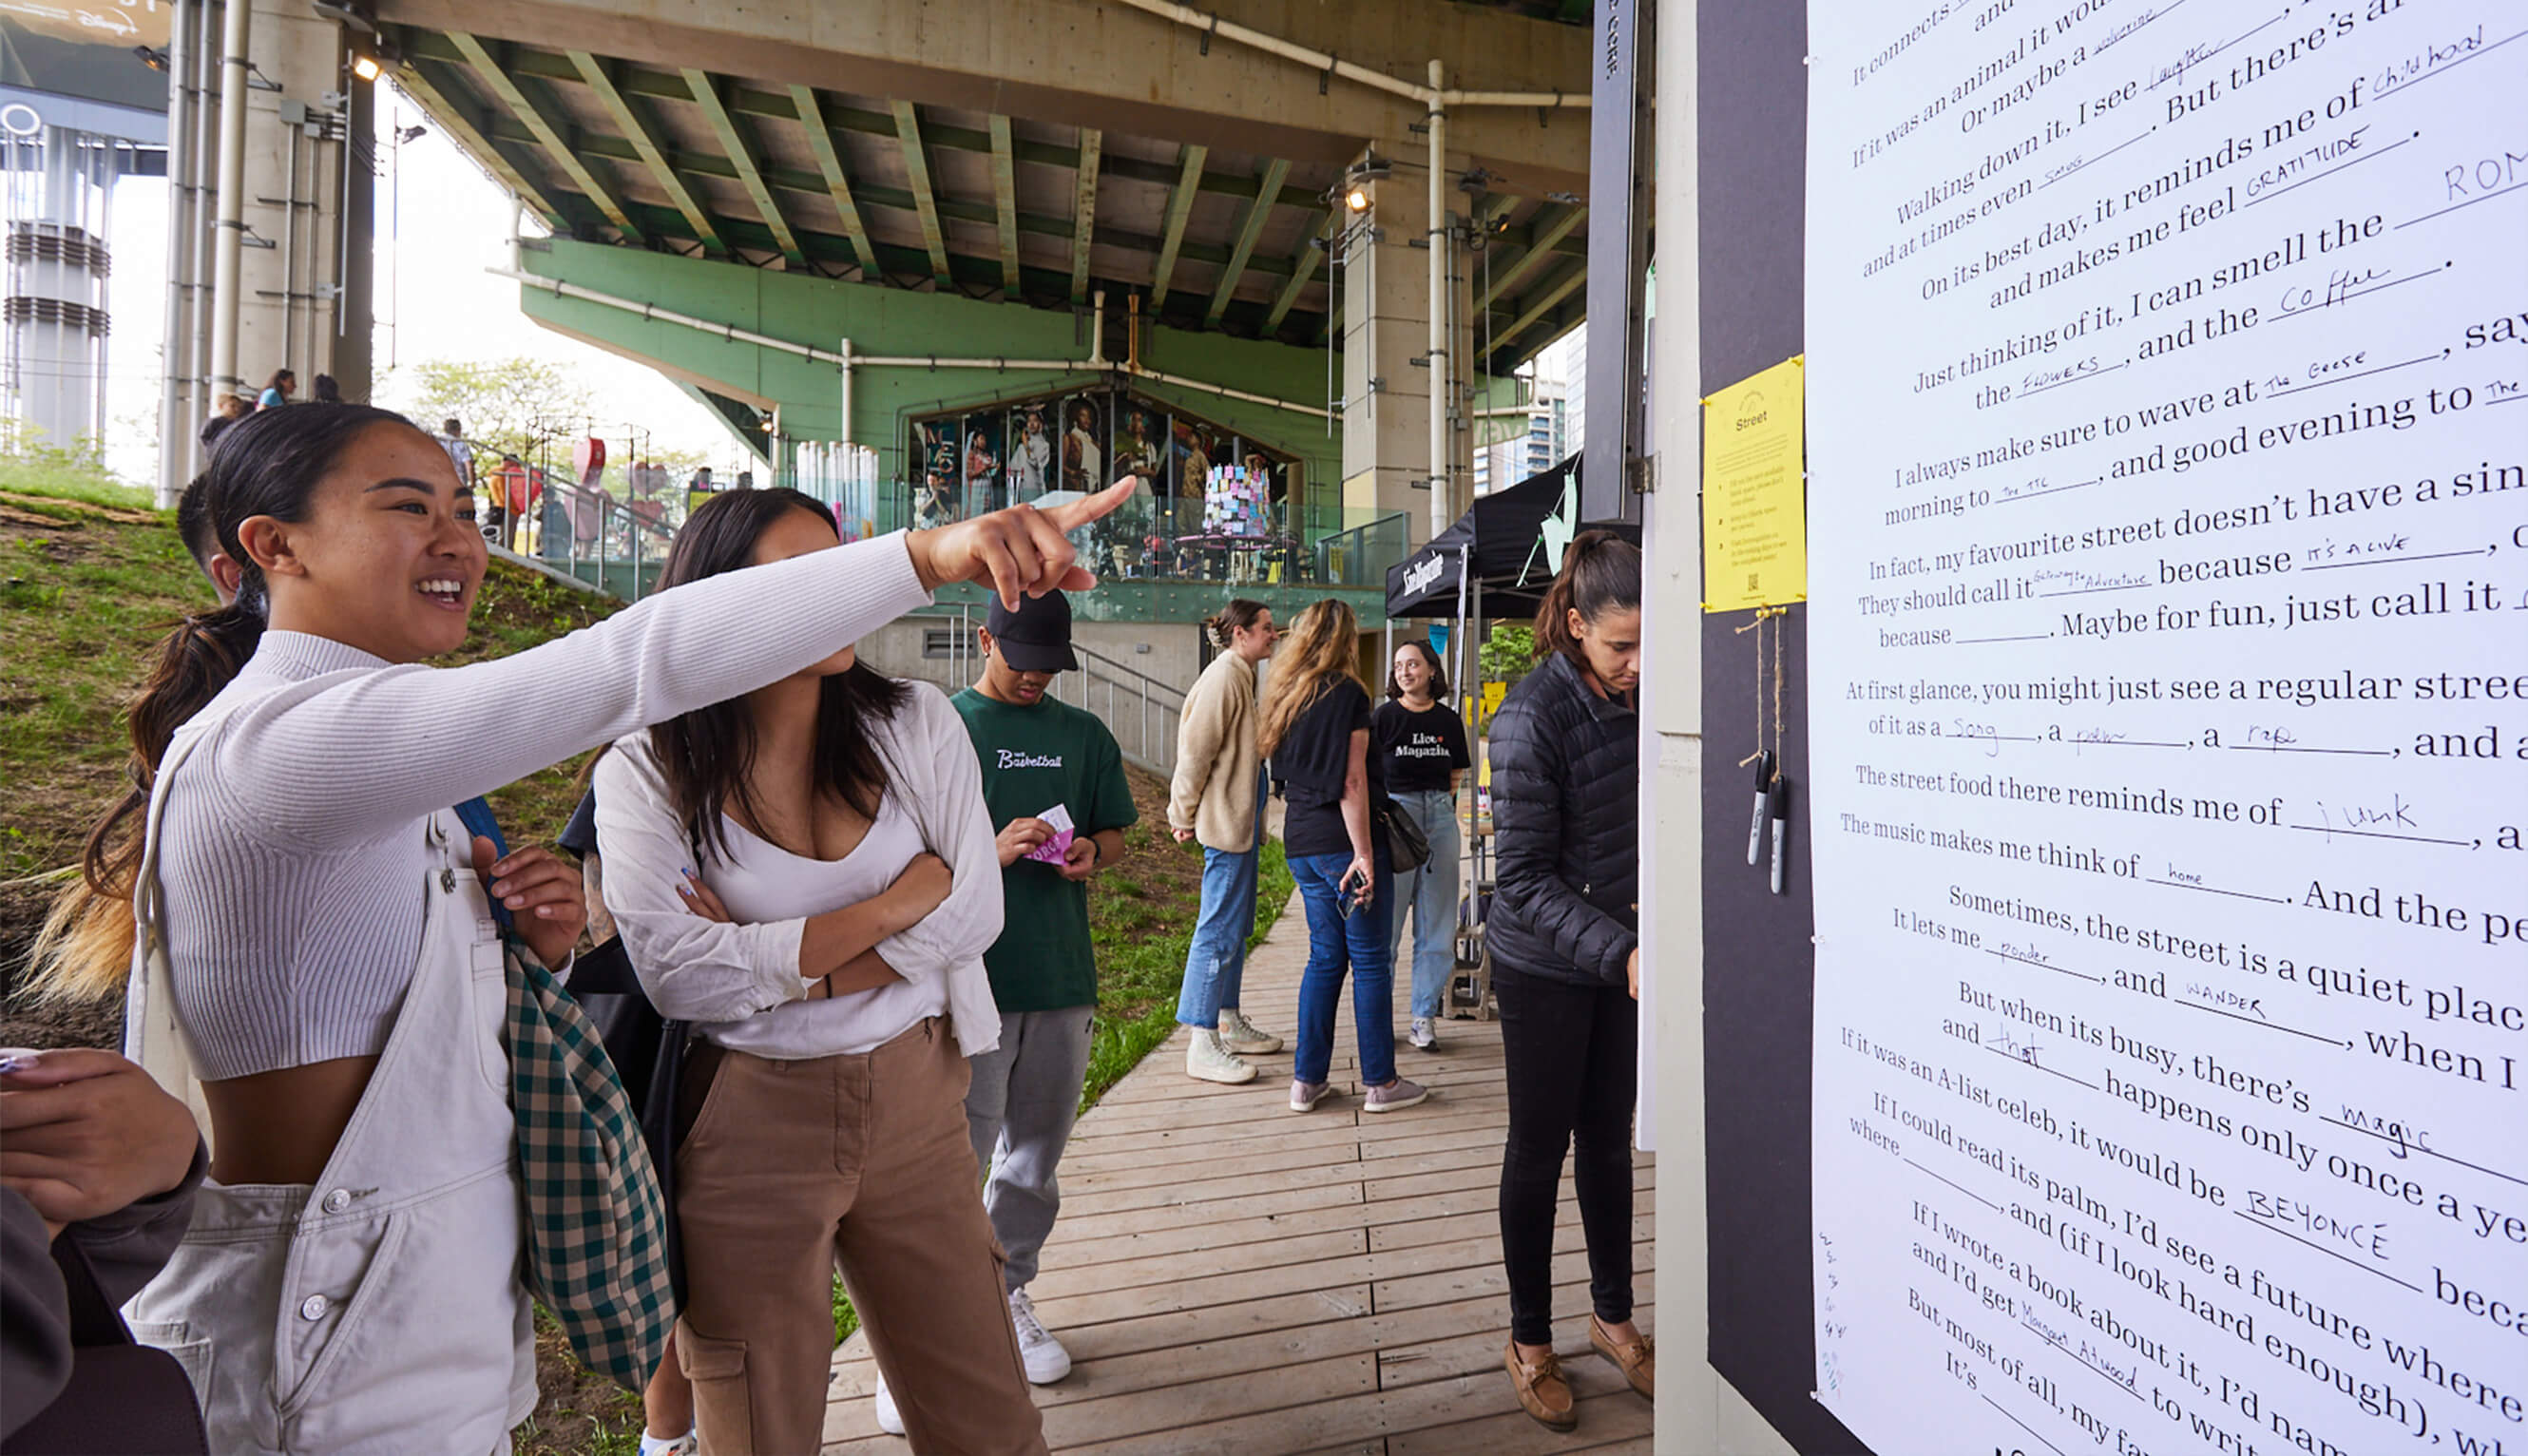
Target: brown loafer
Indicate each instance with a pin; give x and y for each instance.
(1632, 1357)
(1543, 1392)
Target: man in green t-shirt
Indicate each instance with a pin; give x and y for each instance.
(1053, 780)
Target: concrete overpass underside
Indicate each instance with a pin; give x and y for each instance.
(968, 180)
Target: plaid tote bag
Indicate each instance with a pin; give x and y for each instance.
(597, 1231)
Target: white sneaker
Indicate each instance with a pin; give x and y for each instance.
(1240, 1035)
(682, 1445)
(1045, 1359)
(1206, 1059)
(889, 1419)
(1421, 1037)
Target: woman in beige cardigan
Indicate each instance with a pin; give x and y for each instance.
(1218, 797)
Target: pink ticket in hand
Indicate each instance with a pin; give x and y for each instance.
(1052, 850)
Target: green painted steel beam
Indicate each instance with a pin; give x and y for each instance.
(1258, 212)
(1540, 246)
(871, 196)
(643, 136)
(1541, 303)
(705, 92)
(1303, 267)
(1005, 203)
(1190, 160)
(916, 166)
(1084, 212)
(775, 106)
(434, 88)
(551, 128)
(829, 161)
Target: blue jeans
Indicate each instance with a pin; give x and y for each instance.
(1431, 892)
(1359, 943)
(1216, 960)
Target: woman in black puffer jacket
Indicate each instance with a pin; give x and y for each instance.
(1566, 962)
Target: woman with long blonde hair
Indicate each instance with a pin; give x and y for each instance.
(1314, 725)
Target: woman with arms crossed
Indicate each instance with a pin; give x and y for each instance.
(808, 875)
(350, 1280)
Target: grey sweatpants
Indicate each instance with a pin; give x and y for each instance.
(1024, 1097)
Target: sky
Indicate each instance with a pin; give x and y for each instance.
(440, 222)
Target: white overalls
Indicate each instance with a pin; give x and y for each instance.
(380, 1310)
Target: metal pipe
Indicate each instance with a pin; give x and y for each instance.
(173, 426)
(735, 335)
(289, 263)
(1322, 61)
(1438, 333)
(196, 402)
(845, 358)
(234, 94)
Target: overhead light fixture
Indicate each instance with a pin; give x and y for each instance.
(155, 60)
(365, 67)
(1356, 197)
(414, 132)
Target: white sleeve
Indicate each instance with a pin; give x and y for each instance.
(345, 756)
(693, 968)
(947, 801)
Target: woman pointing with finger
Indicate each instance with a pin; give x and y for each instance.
(352, 1279)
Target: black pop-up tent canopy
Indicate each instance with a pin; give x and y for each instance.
(1503, 544)
(1507, 548)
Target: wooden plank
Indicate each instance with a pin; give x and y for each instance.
(548, 128)
(1618, 1415)
(1078, 1279)
(1447, 1285)
(1334, 1422)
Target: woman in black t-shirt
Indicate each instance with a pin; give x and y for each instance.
(1422, 745)
(1315, 728)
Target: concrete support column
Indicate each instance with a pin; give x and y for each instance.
(1387, 326)
(298, 290)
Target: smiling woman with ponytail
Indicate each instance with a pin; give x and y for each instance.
(317, 918)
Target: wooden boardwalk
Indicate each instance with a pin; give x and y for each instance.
(1234, 1278)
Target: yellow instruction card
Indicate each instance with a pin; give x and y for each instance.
(1755, 491)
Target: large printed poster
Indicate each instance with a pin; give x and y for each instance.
(2169, 632)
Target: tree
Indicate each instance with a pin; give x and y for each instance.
(1509, 652)
(521, 406)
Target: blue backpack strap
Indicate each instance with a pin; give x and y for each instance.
(476, 816)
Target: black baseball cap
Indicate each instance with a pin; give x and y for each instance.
(1037, 638)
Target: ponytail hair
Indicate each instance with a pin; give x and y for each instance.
(1238, 615)
(267, 464)
(1601, 572)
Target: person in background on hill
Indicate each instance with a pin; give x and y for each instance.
(1314, 726)
(1423, 745)
(323, 919)
(1040, 757)
(326, 390)
(806, 874)
(277, 389)
(233, 408)
(1217, 797)
(1566, 962)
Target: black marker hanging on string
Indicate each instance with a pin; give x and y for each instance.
(1755, 819)
(1781, 806)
